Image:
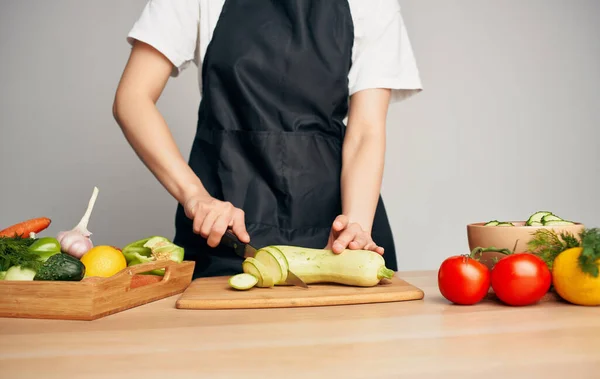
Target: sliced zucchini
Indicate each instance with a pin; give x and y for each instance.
(550, 217)
(257, 269)
(537, 217)
(272, 256)
(492, 223)
(558, 222)
(243, 281)
(272, 265)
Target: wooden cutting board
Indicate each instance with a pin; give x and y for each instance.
(215, 293)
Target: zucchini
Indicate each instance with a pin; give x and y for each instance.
(243, 281)
(276, 270)
(62, 267)
(361, 268)
(266, 256)
(257, 269)
(536, 218)
(492, 223)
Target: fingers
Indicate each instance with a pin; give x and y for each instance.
(345, 238)
(340, 223)
(238, 225)
(212, 218)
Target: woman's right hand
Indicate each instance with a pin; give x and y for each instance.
(212, 217)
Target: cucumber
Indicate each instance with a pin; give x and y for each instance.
(257, 269)
(550, 217)
(558, 222)
(61, 267)
(536, 218)
(505, 224)
(492, 223)
(535, 223)
(243, 281)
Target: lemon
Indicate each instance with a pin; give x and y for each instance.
(572, 284)
(103, 261)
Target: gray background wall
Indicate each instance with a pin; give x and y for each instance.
(508, 123)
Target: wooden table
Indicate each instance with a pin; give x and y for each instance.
(419, 339)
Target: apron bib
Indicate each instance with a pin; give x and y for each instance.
(270, 126)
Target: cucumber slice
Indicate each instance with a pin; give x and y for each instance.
(550, 217)
(505, 224)
(256, 268)
(243, 281)
(535, 223)
(558, 222)
(492, 223)
(271, 263)
(283, 262)
(537, 217)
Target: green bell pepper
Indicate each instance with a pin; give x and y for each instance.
(151, 249)
(45, 247)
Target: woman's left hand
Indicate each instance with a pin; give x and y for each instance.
(347, 235)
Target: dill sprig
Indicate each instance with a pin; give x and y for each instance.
(14, 251)
(547, 244)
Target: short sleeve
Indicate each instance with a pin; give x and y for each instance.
(383, 56)
(171, 27)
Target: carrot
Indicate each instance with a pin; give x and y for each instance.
(22, 229)
(140, 280)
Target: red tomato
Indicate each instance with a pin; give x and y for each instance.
(521, 279)
(463, 280)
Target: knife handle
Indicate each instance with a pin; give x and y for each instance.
(230, 240)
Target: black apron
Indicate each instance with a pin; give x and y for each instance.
(270, 126)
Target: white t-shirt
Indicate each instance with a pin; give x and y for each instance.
(382, 55)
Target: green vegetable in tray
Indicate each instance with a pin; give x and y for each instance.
(151, 249)
(45, 247)
(14, 251)
(61, 267)
(19, 273)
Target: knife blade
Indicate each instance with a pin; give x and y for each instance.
(246, 250)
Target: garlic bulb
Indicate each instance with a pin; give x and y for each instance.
(77, 242)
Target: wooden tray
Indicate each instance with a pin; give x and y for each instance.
(91, 298)
(215, 293)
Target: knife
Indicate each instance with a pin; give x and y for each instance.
(245, 250)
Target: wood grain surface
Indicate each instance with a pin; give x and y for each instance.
(216, 293)
(423, 339)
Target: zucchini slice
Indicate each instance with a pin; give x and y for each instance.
(536, 218)
(257, 269)
(283, 262)
(271, 263)
(243, 281)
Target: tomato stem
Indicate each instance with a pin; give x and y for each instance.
(479, 250)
